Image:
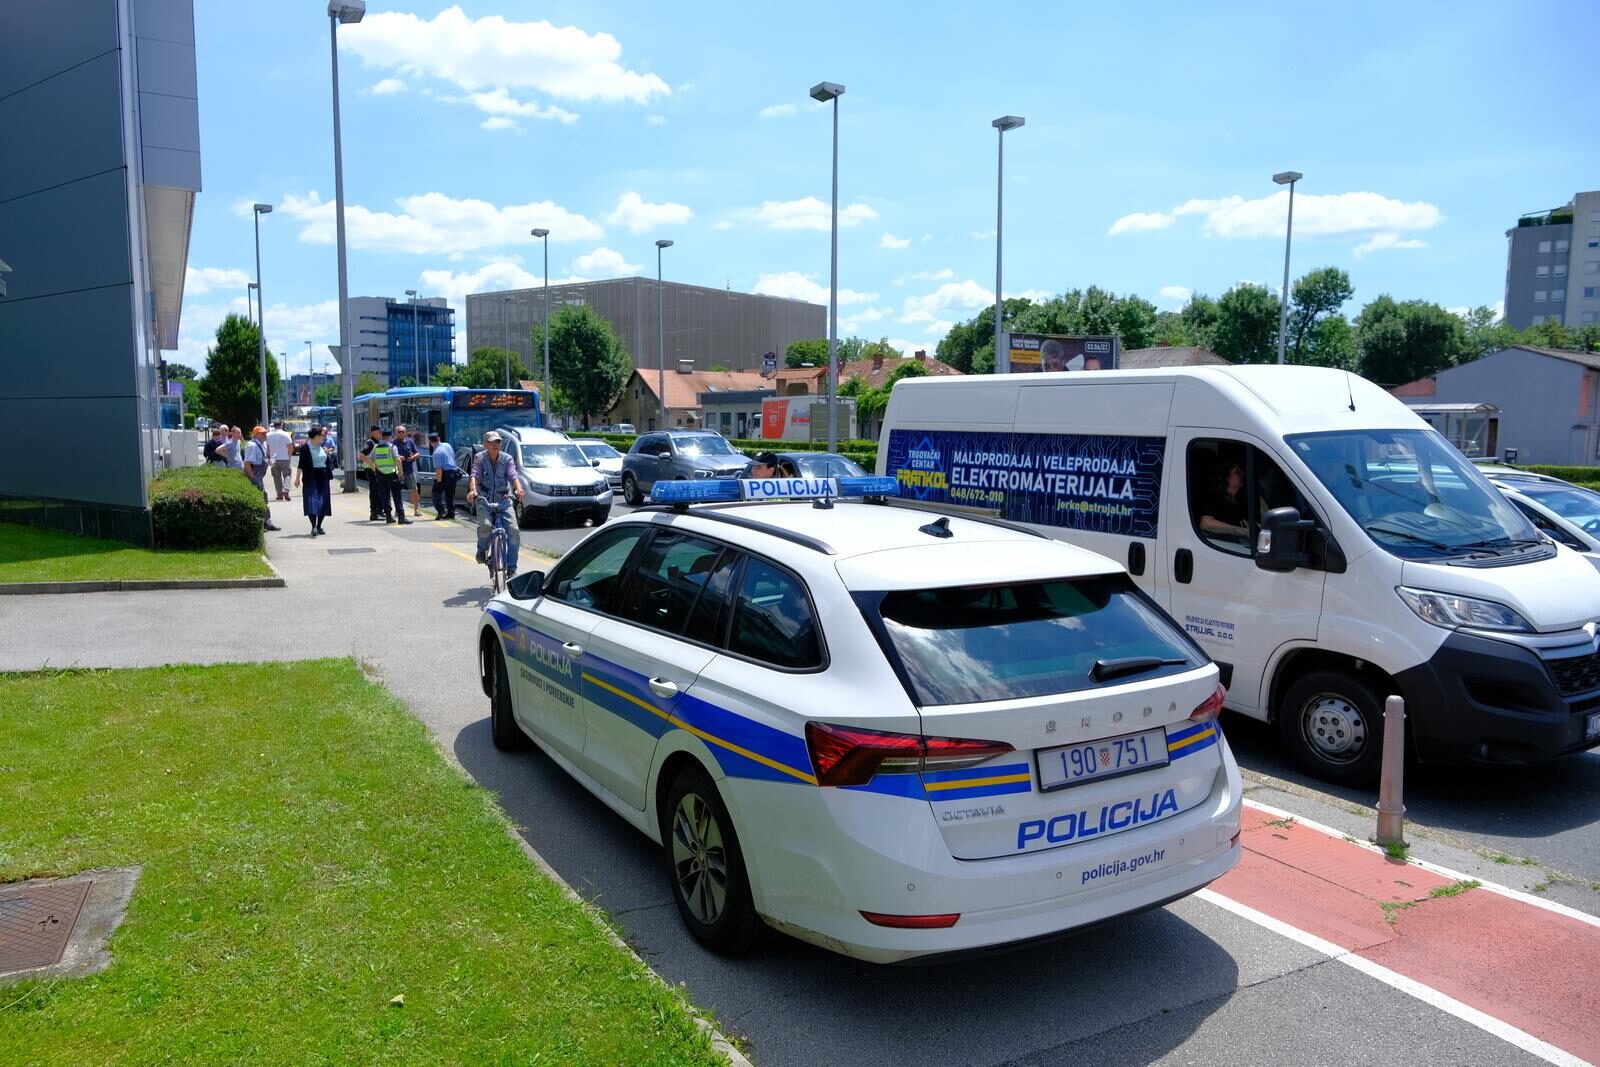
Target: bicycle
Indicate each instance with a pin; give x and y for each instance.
(496, 553)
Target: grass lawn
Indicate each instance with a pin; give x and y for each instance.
(308, 855)
(29, 554)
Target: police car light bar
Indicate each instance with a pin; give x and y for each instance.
(727, 490)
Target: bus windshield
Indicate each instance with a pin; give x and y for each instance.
(1414, 494)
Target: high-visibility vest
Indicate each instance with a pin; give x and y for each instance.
(383, 458)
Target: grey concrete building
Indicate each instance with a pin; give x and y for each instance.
(708, 326)
(99, 167)
(1553, 265)
(1547, 402)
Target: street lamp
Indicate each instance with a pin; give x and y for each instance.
(1002, 353)
(505, 322)
(249, 301)
(416, 362)
(823, 92)
(261, 334)
(429, 328)
(347, 12)
(1288, 177)
(311, 373)
(544, 235)
(661, 332)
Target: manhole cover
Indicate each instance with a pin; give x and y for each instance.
(36, 921)
(349, 551)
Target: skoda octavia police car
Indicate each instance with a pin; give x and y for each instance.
(886, 731)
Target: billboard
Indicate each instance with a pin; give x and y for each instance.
(1034, 352)
(1098, 483)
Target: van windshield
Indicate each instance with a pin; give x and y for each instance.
(1414, 494)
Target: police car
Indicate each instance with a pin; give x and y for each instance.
(888, 732)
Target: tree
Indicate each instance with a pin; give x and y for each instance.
(588, 364)
(181, 372)
(1331, 343)
(1400, 343)
(326, 396)
(1317, 294)
(1486, 332)
(812, 350)
(719, 368)
(367, 382)
(486, 368)
(444, 374)
(231, 389)
(1246, 328)
(873, 350)
(912, 369)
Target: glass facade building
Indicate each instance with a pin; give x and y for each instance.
(402, 341)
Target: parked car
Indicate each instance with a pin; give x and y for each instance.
(557, 480)
(676, 455)
(821, 465)
(1567, 514)
(603, 458)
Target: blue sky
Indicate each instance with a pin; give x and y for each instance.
(1152, 131)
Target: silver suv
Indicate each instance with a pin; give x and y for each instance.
(677, 455)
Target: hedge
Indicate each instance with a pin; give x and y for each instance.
(1582, 475)
(861, 451)
(206, 507)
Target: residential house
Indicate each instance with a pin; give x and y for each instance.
(1163, 357)
(640, 402)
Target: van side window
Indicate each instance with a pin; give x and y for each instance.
(773, 620)
(1232, 485)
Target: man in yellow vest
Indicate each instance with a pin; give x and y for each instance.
(384, 470)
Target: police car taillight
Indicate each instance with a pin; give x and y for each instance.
(1211, 708)
(852, 755)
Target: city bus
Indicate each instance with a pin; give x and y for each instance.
(459, 416)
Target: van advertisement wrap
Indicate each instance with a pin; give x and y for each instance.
(1098, 483)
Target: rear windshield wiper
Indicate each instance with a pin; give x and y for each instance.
(1107, 669)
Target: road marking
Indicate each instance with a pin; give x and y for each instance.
(1446, 872)
(457, 551)
(1410, 986)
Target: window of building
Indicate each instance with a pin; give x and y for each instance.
(1536, 320)
(1544, 248)
(1588, 317)
(1561, 246)
(1594, 216)
(1541, 271)
(1590, 292)
(1558, 295)
(1540, 296)
(1561, 270)
(1592, 267)
(1594, 243)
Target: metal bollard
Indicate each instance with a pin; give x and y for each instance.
(1391, 809)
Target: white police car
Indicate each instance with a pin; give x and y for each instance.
(887, 732)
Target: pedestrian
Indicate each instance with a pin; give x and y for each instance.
(386, 472)
(233, 447)
(445, 476)
(409, 455)
(257, 458)
(489, 491)
(377, 495)
(214, 456)
(280, 446)
(316, 472)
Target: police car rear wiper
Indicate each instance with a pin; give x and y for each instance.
(1106, 669)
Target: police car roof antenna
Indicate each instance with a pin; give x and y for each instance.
(1348, 391)
(939, 527)
(823, 502)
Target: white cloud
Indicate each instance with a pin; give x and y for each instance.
(889, 240)
(806, 213)
(657, 120)
(201, 280)
(455, 285)
(797, 286)
(983, 235)
(722, 224)
(1380, 241)
(1038, 296)
(289, 326)
(850, 324)
(500, 104)
(1177, 295)
(475, 54)
(436, 224)
(603, 263)
(951, 296)
(639, 215)
(778, 111)
(1324, 215)
(387, 86)
(943, 274)
(497, 122)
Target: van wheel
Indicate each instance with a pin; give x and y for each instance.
(1332, 724)
(705, 866)
(503, 729)
(630, 491)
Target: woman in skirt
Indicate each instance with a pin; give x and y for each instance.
(316, 471)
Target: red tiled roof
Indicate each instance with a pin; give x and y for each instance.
(683, 390)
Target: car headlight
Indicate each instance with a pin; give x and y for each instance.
(541, 488)
(1451, 610)
(601, 487)
(705, 474)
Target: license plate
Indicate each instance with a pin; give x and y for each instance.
(1109, 757)
(1592, 727)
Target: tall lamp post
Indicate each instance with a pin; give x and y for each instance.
(505, 322)
(261, 334)
(250, 301)
(823, 92)
(416, 362)
(347, 12)
(429, 328)
(661, 337)
(544, 235)
(1002, 352)
(1288, 177)
(311, 374)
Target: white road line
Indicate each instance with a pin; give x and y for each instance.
(1410, 986)
(1446, 872)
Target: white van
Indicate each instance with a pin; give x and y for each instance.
(1318, 539)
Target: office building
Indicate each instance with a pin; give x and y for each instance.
(99, 168)
(401, 339)
(708, 326)
(1553, 265)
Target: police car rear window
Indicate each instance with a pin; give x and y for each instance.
(970, 644)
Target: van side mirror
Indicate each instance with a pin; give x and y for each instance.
(1281, 544)
(594, 463)
(529, 585)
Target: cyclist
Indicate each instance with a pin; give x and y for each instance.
(494, 473)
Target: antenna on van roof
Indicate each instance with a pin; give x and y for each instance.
(1348, 391)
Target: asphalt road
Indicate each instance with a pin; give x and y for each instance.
(1185, 984)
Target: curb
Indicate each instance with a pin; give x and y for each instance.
(141, 585)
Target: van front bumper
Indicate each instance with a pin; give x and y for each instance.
(1483, 700)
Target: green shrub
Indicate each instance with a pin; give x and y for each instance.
(1581, 475)
(862, 451)
(188, 420)
(206, 507)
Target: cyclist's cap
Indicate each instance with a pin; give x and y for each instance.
(491, 436)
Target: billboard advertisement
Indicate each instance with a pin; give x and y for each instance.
(782, 420)
(1035, 352)
(1098, 483)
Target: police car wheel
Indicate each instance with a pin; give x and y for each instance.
(1332, 724)
(503, 728)
(705, 866)
(630, 491)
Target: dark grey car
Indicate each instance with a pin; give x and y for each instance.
(677, 455)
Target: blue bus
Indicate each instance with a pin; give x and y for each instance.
(458, 415)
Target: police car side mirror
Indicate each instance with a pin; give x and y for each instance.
(1281, 544)
(529, 585)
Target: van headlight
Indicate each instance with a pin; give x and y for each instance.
(1451, 611)
(541, 488)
